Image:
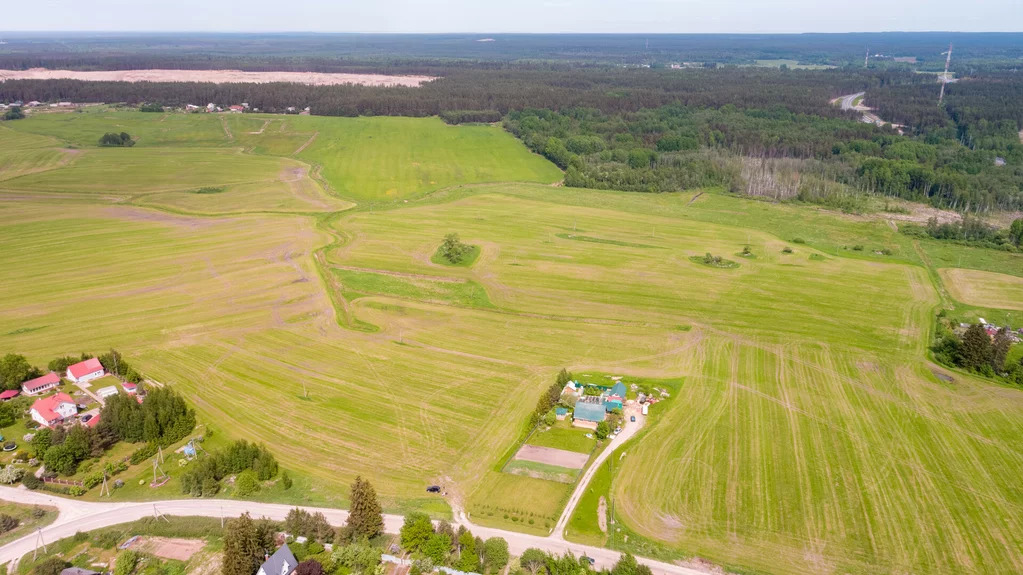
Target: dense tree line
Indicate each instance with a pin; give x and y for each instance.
(751, 150)
(444, 545)
(62, 450)
(162, 418)
(970, 231)
(203, 477)
(500, 90)
(549, 398)
(418, 53)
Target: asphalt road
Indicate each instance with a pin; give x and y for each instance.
(77, 516)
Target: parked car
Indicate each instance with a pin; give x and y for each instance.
(433, 489)
(85, 418)
(632, 418)
(591, 560)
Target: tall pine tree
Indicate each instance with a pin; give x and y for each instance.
(365, 518)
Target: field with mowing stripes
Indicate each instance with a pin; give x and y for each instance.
(986, 289)
(247, 269)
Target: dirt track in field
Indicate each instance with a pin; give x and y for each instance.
(215, 76)
(551, 456)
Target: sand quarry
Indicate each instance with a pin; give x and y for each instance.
(215, 76)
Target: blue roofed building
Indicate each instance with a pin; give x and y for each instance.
(589, 411)
(615, 398)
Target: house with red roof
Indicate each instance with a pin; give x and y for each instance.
(40, 384)
(130, 388)
(85, 371)
(53, 410)
(9, 394)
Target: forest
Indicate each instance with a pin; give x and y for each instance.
(420, 53)
(754, 130)
(767, 152)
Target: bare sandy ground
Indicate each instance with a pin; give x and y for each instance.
(551, 456)
(215, 76)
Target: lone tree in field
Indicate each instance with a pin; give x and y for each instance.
(453, 249)
(122, 140)
(365, 519)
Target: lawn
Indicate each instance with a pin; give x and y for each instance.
(809, 434)
(30, 518)
(564, 436)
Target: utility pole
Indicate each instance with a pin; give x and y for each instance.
(39, 543)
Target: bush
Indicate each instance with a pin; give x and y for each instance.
(786, 250)
(76, 490)
(122, 140)
(7, 522)
(31, 481)
(11, 474)
(286, 480)
(246, 484)
(50, 566)
(143, 453)
(798, 241)
(126, 562)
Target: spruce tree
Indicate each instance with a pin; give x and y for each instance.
(365, 518)
(243, 553)
(976, 349)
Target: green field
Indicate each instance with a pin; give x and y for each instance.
(806, 432)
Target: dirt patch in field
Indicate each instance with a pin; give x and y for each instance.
(167, 548)
(215, 76)
(602, 514)
(551, 456)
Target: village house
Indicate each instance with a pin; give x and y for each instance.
(589, 411)
(40, 384)
(53, 410)
(9, 394)
(282, 562)
(130, 388)
(85, 371)
(615, 398)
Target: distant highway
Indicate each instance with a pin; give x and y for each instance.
(868, 116)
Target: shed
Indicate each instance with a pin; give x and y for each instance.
(106, 392)
(560, 413)
(9, 394)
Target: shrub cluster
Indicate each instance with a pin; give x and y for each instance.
(203, 480)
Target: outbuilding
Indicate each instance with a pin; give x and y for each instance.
(9, 394)
(40, 384)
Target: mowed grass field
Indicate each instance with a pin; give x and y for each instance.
(986, 289)
(362, 159)
(808, 434)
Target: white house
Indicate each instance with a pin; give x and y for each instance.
(85, 371)
(40, 384)
(53, 410)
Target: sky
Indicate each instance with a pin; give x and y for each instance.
(540, 16)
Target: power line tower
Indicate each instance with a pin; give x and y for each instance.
(944, 77)
(39, 543)
(866, 58)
